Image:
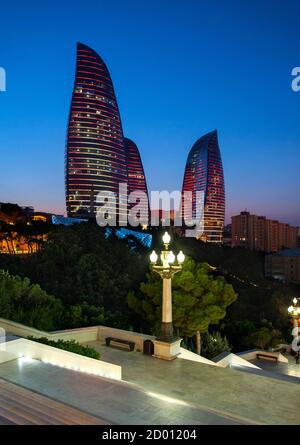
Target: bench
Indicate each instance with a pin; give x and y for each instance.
(120, 342)
(266, 357)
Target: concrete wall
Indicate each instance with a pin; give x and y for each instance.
(58, 357)
(21, 330)
(236, 360)
(188, 355)
(81, 335)
(252, 355)
(137, 338)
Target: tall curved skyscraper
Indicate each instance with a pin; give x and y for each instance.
(204, 173)
(95, 150)
(136, 175)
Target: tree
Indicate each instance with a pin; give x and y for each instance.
(27, 303)
(214, 344)
(90, 274)
(265, 336)
(199, 299)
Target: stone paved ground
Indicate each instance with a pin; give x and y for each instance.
(250, 396)
(114, 402)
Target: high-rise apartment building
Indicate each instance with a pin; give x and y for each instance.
(259, 233)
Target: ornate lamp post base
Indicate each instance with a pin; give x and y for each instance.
(167, 350)
(166, 333)
(166, 346)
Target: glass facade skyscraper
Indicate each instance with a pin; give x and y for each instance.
(96, 157)
(204, 173)
(136, 175)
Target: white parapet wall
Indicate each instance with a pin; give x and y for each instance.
(252, 355)
(136, 337)
(81, 335)
(231, 359)
(21, 330)
(189, 355)
(58, 357)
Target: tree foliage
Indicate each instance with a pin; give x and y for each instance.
(214, 344)
(27, 303)
(199, 299)
(89, 274)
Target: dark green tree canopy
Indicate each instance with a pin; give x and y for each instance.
(199, 299)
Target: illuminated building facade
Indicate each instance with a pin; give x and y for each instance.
(204, 173)
(95, 150)
(136, 176)
(259, 233)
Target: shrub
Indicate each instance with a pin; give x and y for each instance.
(68, 345)
(214, 344)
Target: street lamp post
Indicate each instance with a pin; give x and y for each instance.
(166, 345)
(294, 313)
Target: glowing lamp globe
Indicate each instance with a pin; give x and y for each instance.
(295, 300)
(171, 257)
(180, 257)
(290, 309)
(153, 257)
(166, 238)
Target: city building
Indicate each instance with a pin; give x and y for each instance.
(298, 237)
(284, 265)
(95, 150)
(259, 233)
(98, 158)
(204, 173)
(136, 178)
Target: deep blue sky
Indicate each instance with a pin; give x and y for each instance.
(180, 69)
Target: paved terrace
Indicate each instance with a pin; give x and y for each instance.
(246, 396)
(109, 401)
(160, 392)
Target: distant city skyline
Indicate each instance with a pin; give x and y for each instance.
(180, 70)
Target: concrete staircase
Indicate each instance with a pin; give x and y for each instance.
(19, 406)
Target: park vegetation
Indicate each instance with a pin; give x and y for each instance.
(68, 345)
(79, 277)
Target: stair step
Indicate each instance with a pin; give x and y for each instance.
(22, 406)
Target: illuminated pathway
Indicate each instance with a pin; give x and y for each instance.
(116, 402)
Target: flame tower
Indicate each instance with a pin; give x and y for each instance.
(204, 173)
(136, 175)
(95, 149)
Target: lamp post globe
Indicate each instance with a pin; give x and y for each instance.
(169, 265)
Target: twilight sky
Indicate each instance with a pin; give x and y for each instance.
(180, 68)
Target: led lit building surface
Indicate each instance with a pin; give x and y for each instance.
(136, 176)
(204, 173)
(95, 151)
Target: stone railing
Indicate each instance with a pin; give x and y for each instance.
(81, 335)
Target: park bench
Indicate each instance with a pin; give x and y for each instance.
(120, 343)
(266, 357)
